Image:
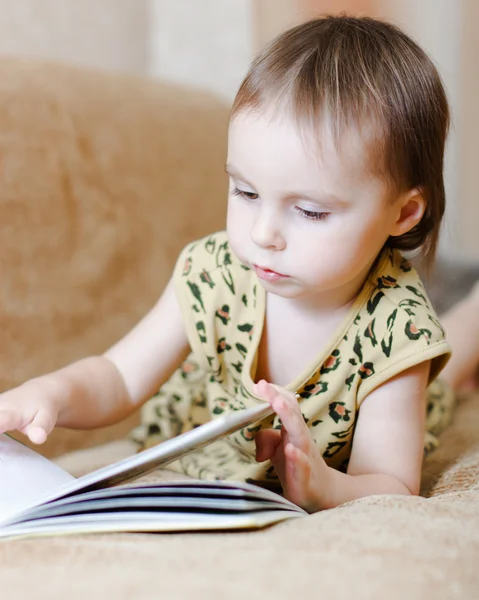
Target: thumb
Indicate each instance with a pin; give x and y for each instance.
(40, 426)
(267, 440)
(11, 420)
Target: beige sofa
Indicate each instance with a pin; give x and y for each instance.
(102, 180)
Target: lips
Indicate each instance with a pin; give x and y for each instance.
(267, 274)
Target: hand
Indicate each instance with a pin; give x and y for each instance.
(30, 409)
(292, 450)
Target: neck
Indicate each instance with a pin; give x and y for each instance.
(325, 303)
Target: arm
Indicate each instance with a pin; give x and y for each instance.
(102, 390)
(387, 451)
(388, 444)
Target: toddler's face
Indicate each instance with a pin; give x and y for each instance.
(311, 223)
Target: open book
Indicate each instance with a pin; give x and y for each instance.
(39, 498)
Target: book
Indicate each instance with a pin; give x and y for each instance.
(37, 497)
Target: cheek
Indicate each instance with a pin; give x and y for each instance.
(338, 252)
(356, 236)
(233, 219)
(238, 219)
(237, 228)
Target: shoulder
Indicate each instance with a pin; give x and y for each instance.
(396, 289)
(397, 326)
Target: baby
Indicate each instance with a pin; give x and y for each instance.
(335, 161)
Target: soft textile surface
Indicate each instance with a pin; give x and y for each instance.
(100, 181)
(100, 185)
(380, 547)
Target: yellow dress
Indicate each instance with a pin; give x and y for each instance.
(390, 327)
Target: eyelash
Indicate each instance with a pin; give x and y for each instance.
(313, 216)
(307, 214)
(243, 194)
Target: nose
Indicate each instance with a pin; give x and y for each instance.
(267, 230)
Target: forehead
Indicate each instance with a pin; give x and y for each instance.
(276, 144)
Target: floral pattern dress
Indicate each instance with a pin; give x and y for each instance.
(390, 327)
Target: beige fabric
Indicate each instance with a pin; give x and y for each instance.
(99, 176)
(100, 180)
(381, 547)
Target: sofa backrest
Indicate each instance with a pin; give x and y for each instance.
(103, 179)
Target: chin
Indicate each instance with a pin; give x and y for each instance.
(283, 289)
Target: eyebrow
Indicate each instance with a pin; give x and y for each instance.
(230, 170)
(327, 201)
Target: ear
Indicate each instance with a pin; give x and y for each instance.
(411, 209)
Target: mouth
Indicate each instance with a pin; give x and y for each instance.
(268, 274)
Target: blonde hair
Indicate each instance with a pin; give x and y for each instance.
(359, 71)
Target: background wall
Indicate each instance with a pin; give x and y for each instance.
(468, 137)
(438, 26)
(108, 34)
(209, 43)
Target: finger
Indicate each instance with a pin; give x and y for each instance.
(297, 476)
(11, 420)
(267, 442)
(40, 427)
(286, 407)
(293, 398)
(269, 391)
(272, 393)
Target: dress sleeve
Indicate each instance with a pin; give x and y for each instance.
(398, 338)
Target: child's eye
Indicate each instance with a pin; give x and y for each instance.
(310, 214)
(245, 194)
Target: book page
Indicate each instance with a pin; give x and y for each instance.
(25, 477)
(132, 467)
(49, 484)
(140, 521)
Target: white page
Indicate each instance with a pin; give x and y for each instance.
(153, 504)
(25, 477)
(147, 522)
(132, 467)
(125, 470)
(190, 488)
(195, 491)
